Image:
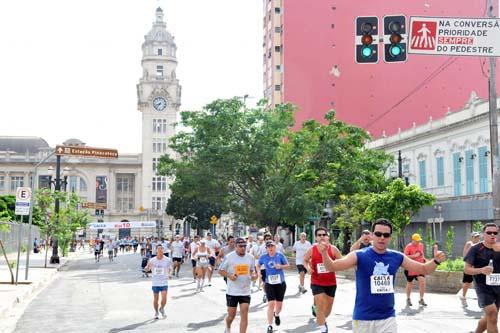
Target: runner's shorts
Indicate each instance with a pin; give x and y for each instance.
(411, 278)
(275, 292)
(199, 264)
(212, 261)
(193, 263)
(301, 268)
(177, 259)
(388, 325)
(329, 290)
(233, 301)
(467, 278)
(487, 295)
(157, 289)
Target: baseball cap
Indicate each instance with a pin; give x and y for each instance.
(269, 243)
(209, 234)
(475, 234)
(240, 240)
(416, 237)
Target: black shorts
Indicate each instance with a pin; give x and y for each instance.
(193, 263)
(275, 292)
(177, 259)
(211, 260)
(411, 278)
(233, 301)
(467, 278)
(328, 290)
(487, 295)
(301, 268)
(263, 274)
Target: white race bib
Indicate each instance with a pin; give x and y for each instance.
(274, 279)
(381, 284)
(158, 271)
(493, 279)
(320, 268)
(203, 260)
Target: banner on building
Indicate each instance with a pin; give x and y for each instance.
(122, 225)
(101, 189)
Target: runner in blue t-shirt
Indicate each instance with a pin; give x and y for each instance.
(375, 276)
(275, 286)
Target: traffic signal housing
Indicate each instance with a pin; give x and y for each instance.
(395, 38)
(366, 40)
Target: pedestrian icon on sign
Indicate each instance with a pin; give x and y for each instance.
(423, 35)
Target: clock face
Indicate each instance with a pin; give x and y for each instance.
(159, 103)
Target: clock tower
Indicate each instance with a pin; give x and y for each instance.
(159, 99)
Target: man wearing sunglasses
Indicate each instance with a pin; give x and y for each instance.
(376, 268)
(239, 269)
(323, 282)
(486, 276)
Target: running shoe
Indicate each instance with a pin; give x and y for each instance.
(157, 315)
(270, 329)
(304, 290)
(313, 310)
(408, 302)
(264, 299)
(227, 330)
(162, 311)
(422, 302)
(277, 320)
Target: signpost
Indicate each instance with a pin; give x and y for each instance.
(86, 151)
(455, 36)
(23, 204)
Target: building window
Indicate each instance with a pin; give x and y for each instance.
(160, 52)
(73, 185)
(278, 67)
(159, 71)
(457, 175)
(277, 87)
(440, 171)
(44, 182)
(159, 184)
(277, 10)
(422, 174)
(159, 145)
(469, 172)
(277, 49)
(2, 183)
(483, 169)
(277, 29)
(15, 182)
(125, 191)
(160, 126)
(157, 203)
(155, 164)
(83, 185)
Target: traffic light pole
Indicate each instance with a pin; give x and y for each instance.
(495, 179)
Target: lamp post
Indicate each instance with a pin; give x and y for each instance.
(54, 259)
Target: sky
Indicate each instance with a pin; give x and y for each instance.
(69, 68)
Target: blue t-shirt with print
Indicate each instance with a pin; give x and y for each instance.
(375, 306)
(268, 262)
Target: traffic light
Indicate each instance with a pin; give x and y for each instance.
(395, 38)
(366, 40)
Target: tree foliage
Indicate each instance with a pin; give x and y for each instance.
(398, 203)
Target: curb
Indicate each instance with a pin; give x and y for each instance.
(33, 287)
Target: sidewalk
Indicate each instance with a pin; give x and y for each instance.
(38, 278)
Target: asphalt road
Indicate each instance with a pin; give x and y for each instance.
(113, 297)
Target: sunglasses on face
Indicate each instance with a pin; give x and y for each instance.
(242, 245)
(380, 234)
(494, 233)
(322, 235)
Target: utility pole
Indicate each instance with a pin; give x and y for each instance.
(495, 179)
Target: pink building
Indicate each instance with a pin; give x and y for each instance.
(309, 61)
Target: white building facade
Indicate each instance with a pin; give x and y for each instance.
(450, 158)
(128, 187)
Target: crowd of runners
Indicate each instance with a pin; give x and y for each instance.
(248, 264)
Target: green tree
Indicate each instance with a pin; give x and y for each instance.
(7, 208)
(349, 213)
(398, 203)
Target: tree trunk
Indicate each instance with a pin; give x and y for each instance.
(8, 264)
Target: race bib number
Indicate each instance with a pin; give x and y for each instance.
(203, 260)
(274, 279)
(158, 271)
(493, 279)
(242, 269)
(381, 284)
(321, 268)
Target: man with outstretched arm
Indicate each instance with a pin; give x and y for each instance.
(375, 276)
